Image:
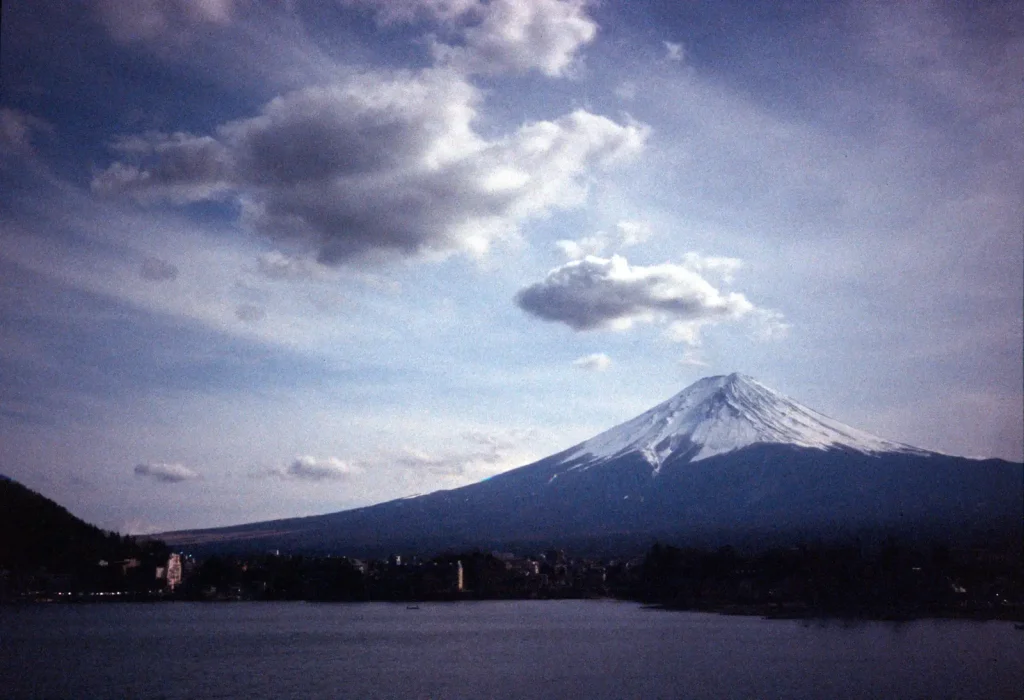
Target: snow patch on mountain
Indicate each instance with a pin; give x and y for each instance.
(722, 414)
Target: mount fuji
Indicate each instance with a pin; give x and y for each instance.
(727, 460)
(718, 415)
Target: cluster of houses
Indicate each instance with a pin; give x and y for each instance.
(472, 575)
(132, 578)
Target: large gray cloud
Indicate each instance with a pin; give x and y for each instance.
(610, 293)
(382, 161)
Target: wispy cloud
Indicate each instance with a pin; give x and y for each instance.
(674, 51)
(157, 270)
(581, 248)
(250, 313)
(142, 20)
(691, 358)
(626, 234)
(276, 265)
(17, 131)
(721, 267)
(631, 233)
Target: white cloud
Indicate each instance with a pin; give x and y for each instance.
(591, 245)
(498, 36)
(610, 293)
(633, 232)
(673, 51)
(384, 162)
(516, 36)
(165, 472)
(686, 332)
(307, 468)
(597, 361)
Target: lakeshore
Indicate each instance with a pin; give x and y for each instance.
(893, 583)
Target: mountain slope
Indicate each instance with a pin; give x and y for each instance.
(726, 457)
(36, 532)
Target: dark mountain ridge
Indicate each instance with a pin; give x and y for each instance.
(37, 533)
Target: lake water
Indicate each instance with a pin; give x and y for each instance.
(507, 649)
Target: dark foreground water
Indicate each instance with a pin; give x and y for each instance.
(509, 649)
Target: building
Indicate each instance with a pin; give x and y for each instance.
(173, 571)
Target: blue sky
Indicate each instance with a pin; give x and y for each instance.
(270, 259)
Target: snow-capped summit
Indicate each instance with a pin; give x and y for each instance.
(716, 415)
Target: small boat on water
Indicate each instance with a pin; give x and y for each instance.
(412, 607)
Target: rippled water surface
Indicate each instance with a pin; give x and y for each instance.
(508, 649)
